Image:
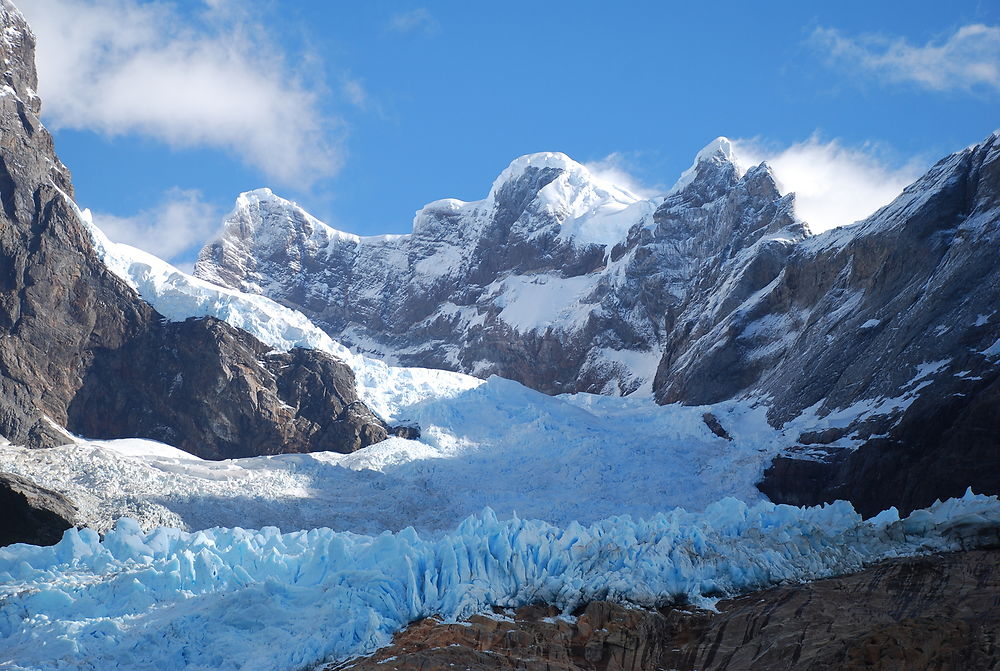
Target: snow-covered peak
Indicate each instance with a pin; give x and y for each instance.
(540, 160)
(719, 148)
(262, 194)
(586, 206)
(716, 153)
(260, 212)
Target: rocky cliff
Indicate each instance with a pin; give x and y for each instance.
(79, 351)
(893, 326)
(32, 514)
(938, 612)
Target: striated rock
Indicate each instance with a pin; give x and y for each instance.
(937, 612)
(32, 514)
(894, 319)
(79, 349)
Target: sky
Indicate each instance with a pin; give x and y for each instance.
(364, 111)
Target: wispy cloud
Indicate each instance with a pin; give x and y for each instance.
(618, 169)
(212, 78)
(418, 20)
(834, 184)
(175, 229)
(355, 92)
(967, 59)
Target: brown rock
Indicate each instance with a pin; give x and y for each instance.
(939, 612)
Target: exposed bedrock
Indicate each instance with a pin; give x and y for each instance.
(32, 514)
(937, 612)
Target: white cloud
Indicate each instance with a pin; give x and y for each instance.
(210, 78)
(615, 169)
(834, 184)
(175, 229)
(966, 59)
(418, 20)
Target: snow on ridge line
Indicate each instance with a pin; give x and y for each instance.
(178, 296)
(232, 598)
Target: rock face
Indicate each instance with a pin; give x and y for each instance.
(939, 612)
(894, 320)
(217, 392)
(557, 279)
(32, 514)
(80, 350)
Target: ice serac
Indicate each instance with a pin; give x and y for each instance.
(557, 279)
(80, 351)
(207, 600)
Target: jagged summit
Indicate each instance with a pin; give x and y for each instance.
(554, 259)
(586, 206)
(719, 148)
(715, 158)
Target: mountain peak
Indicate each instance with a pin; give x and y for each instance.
(719, 148)
(717, 154)
(539, 160)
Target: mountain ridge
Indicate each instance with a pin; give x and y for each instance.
(718, 291)
(471, 266)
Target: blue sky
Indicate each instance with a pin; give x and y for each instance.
(363, 112)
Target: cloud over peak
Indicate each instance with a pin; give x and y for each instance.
(834, 184)
(174, 229)
(212, 78)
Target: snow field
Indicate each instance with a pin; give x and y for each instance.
(499, 445)
(245, 599)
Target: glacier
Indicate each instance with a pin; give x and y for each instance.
(262, 599)
(499, 445)
(285, 561)
(483, 443)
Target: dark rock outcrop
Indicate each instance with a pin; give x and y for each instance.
(217, 392)
(79, 349)
(937, 612)
(32, 514)
(940, 447)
